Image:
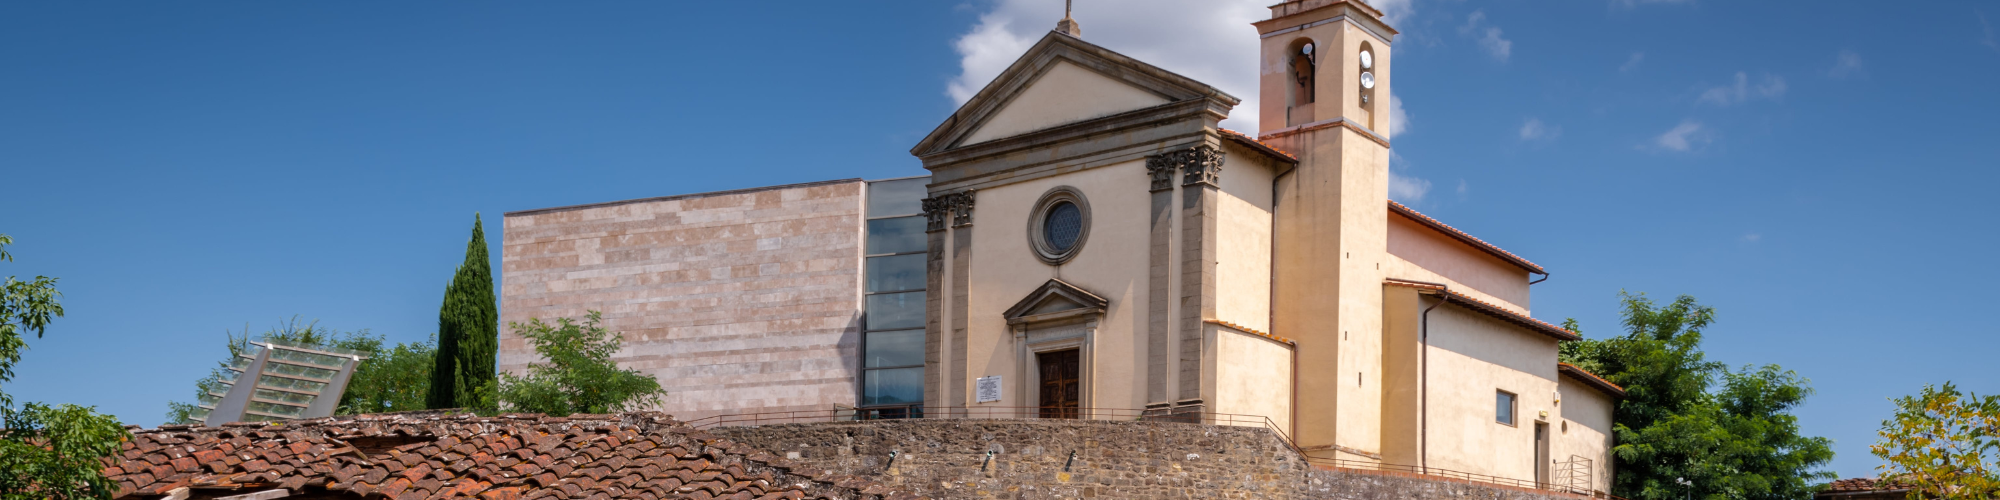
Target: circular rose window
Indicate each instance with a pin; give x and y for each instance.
(1059, 225)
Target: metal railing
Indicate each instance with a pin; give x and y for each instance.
(839, 413)
(1573, 474)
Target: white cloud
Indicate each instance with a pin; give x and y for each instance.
(1632, 63)
(1770, 87)
(1407, 189)
(1399, 120)
(1753, 237)
(1489, 37)
(1987, 28)
(1393, 11)
(1463, 188)
(1687, 136)
(1534, 130)
(984, 53)
(1404, 188)
(1846, 64)
(1210, 41)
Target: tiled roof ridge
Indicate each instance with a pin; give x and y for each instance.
(512, 456)
(1490, 309)
(1253, 143)
(1867, 484)
(1590, 378)
(1503, 254)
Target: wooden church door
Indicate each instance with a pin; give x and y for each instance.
(1061, 390)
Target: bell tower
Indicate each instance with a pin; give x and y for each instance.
(1324, 74)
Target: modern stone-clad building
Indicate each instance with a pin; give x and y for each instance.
(1089, 243)
(738, 300)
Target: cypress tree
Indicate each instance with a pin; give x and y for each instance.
(468, 330)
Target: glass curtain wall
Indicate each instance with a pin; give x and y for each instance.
(892, 339)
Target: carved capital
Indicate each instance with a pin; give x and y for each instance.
(961, 213)
(1162, 168)
(956, 207)
(1201, 165)
(1198, 165)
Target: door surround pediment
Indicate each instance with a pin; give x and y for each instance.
(1056, 316)
(1054, 301)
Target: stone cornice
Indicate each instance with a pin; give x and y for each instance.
(1326, 124)
(1046, 53)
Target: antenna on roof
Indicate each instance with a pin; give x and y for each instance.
(1068, 25)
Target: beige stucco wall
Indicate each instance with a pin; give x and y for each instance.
(1418, 252)
(1112, 263)
(1243, 249)
(1587, 413)
(1065, 93)
(1471, 357)
(1252, 377)
(734, 302)
(1402, 348)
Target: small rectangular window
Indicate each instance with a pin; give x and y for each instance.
(1504, 408)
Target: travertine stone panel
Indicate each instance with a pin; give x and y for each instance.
(735, 301)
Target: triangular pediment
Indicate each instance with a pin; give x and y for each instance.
(1054, 297)
(1061, 81)
(1063, 94)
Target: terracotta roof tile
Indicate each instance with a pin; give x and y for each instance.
(1489, 309)
(1865, 484)
(515, 456)
(1406, 211)
(1590, 379)
(1258, 145)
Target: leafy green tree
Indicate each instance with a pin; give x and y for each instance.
(468, 331)
(1692, 428)
(1943, 443)
(46, 451)
(578, 375)
(389, 379)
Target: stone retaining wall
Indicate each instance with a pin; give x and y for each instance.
(1032, 459)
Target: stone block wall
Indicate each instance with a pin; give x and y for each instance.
(735, 301)
(1032, 459)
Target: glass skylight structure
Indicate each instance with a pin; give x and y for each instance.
(287, 381)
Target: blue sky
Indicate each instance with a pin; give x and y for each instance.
(1818, 171)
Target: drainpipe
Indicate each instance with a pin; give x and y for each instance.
(1424, 377)
(1545, 277)
(1271, 298)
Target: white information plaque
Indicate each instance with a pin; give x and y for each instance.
(988, 389)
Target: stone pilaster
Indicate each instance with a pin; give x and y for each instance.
(1201, 168)
(948, 223)
(1159, 356)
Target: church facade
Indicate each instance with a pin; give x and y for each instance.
(1090, 238)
